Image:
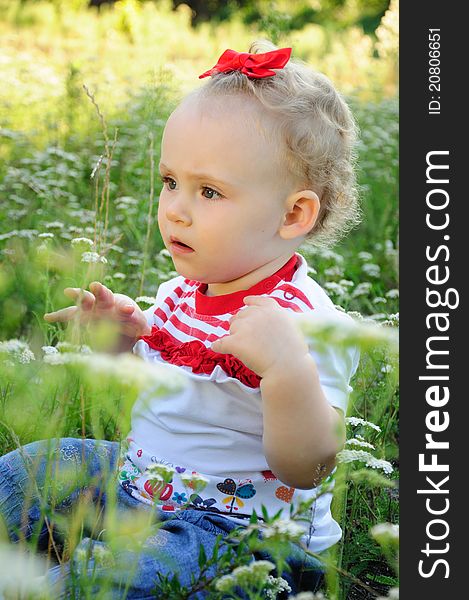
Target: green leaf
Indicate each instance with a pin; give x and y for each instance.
(202, 556)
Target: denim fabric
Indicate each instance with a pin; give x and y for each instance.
(49, 477)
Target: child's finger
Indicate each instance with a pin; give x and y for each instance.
(84, 297)
(126, 309)
(62, 315)
(104, 296)
(222, 345)
(259, 300)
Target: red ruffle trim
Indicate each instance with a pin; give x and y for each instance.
(198, 357)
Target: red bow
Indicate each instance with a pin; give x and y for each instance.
(254, 66)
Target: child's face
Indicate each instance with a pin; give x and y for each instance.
(224, 194)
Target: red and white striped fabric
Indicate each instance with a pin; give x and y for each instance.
(185, 322)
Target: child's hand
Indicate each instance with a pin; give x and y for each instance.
(102, 303)
(263, 336)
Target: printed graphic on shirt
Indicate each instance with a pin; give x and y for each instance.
(228, 496)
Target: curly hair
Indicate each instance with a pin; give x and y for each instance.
(318, 135)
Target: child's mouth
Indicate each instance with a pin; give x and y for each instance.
(179, 247)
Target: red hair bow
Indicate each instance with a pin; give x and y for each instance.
(255, 66)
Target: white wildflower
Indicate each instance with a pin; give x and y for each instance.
(334, 271)
(275, 586)
(393, 594)
(225, 583)
(103, 556)
(18, 350)
(345, 332)
(21, 574)
(254, 574)
(165, 253)
(126, 368)
(93, 257)
(134, 262)
(8, 235)
(389, 531)
(29, 234)
(283, 528)
(346, 283)
(46, 235)
(348, 456)
(335, 288)
(356, 421)
(125, 201)
(362, 289)
(328, 254)
(394, 293)
(55, 225)
(119, 275)
(68, 347)
(355, 315)
(365, 256)
(387, 369)
(311, 271)
(379, 300)
(371, 269)
(83, 241)
(49, 350)
(359, 442)
(146, 299)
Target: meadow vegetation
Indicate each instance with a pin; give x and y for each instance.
(83, 104)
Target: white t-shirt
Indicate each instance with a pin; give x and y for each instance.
(213, 426)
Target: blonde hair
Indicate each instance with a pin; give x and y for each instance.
(318, 133)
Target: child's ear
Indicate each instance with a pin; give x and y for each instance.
(302, 210)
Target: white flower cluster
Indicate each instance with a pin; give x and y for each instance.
(356, 421)
(55, 225)
(124, 368)
(276, 585)
(371, 269)
(360, 443)
(346, 333)
(68, 347)
(146, 299)
(362, 289)
(254, 574)
(21, 574)
(17, 350)
(283, 528)
(393, 594)
(348, 456)
(93, 257)
(82, 241)
(389, 531)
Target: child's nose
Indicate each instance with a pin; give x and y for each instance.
(177, 211)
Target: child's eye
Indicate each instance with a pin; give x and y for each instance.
(213, 192)
(168, 180)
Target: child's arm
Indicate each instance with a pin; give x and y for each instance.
(102, 304)
(302, 431)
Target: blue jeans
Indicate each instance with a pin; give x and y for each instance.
(43, 481)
